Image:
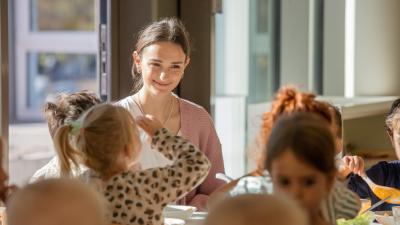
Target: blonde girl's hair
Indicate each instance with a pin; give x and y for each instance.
(48, 194)
(106, 130)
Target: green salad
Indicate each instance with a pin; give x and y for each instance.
(363, 219)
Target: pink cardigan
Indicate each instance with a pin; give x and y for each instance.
(197, 126)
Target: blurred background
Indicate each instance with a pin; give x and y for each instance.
(346, 51)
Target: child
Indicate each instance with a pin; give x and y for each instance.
(56, 202)
(253, 209)
(383, 173)
(289, 101)
(66, 109)
(300, 159)
(109, 144)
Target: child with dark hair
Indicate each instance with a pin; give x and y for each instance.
(384, 173)
(66, 109)
(343, 203)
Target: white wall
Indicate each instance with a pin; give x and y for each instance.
(295, 43)
(334, 50)
(377, 47)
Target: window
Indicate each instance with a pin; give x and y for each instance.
(246, 74)
(55, 50)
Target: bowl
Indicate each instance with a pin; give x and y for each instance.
(384, 217)
(178, 211)
(173, 221)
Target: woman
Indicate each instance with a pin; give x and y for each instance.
(162, 53)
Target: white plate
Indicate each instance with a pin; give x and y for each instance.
(178, 211)
(384, 217)
(173, 221)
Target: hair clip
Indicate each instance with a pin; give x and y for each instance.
(76, 127)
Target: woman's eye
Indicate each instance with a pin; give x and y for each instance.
(175, 67)
(154, 64)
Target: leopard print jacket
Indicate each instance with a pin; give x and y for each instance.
(139, 197)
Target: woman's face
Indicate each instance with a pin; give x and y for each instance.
(301, 181)
(162, 65)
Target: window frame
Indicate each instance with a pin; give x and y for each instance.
(26, 41)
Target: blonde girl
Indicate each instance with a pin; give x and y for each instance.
(108, 144)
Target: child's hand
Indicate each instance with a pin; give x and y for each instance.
(353, 164)
(149, 124)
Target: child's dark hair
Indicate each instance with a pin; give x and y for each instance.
(307, 136)
(167, 29)
(67, 108)
(394, 109)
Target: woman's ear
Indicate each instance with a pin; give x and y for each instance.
(187, 61)
(137, 60)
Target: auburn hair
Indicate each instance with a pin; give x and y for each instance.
(287, 101)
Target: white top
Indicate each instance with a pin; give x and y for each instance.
(149, 158)
(52, 170)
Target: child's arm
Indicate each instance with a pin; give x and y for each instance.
(190, 166)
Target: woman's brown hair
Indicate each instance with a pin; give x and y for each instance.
(168, 29)
(307, 136)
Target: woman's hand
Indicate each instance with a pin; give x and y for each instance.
(149, 124)
(353, 164)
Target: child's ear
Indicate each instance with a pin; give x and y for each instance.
(128, 151)
(390, 134)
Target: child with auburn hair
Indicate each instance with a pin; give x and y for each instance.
(56, 202)
(256, 209)
(288, 101)
(65, 109)
(108, 144)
